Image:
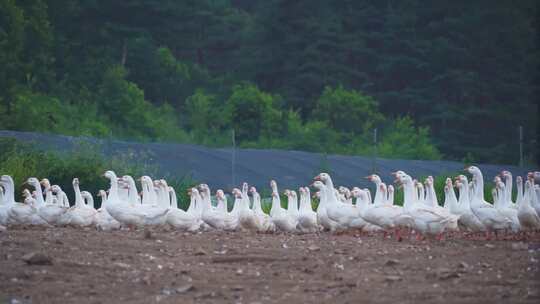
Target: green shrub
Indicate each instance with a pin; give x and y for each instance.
(86, 162)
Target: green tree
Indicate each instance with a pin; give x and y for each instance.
(253, 113)
(347, 110)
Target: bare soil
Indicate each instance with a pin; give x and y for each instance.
(87, 266)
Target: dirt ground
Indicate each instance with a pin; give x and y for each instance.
(86, 266)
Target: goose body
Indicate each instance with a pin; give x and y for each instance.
(347, 215)
(322, 213)
(184, 220)
(467, 218)
(307, 218)
(490, 217)
(427, 220)
(125, 213)
(46, 209)
(220, 218)
(282, 218)
(104, 221)
(7, 198)
(505, 207)
(383, 215)
(527, 216)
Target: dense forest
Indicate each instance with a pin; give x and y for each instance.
(437, 79)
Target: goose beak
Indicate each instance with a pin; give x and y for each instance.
(317, 178)
(368, 177)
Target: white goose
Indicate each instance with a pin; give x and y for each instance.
(427, 220)
(128, 187)
(528, 218)
(125, 213)
(322, 215)
(378, 199)
(307, 218)
(347, 215)
(247, 217)
(214, 217)
(104, 221)
(492, 219)
(185, 220)
(8, 198)
(61, 196)
(388, 217)
(80, 214)
(467, 218)
(282, 219)
(25, 213)
(264, 221)
(507, 178)
(505, 208)
(50, 212)
(535, 199)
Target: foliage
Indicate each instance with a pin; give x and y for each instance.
(402, 139)
(315, 76)
(86, 162)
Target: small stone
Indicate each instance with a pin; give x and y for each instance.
(237, 288)
(445, 274)
(463, 266)
(3, 228)
(185, 288)
(200, 251)
(488, 245)
(314, 248)
(392, 278)
(520, 246)
(148, 234)
(36, 258)
(391, 262)
(122, 265)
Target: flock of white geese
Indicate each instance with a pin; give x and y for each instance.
(339, 209)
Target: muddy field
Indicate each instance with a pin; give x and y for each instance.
(84, 266)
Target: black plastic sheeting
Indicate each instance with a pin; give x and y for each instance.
(257, 166)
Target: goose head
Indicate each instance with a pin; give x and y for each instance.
(245, 187)
(87, 195)
(519, 181)
(220, 195)
(293, 194)
(75, 182)
(6, 180)
(56, 189)
(34, 182)
(26, 193)
(205, 189)
(475, 171)
(462, 179)
(102, 194)
(374, 178)
(110, 175)
(146, 180)
(45, 183)
(252, 190)
(506, 174)
(193, 192)
(318, 184)
(324, 177)
(237, 193)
